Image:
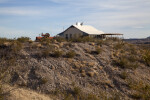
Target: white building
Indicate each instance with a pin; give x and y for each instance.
(78, 30)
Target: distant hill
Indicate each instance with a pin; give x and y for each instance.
(148, 37)
(139, 41)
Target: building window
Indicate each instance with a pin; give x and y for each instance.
(70, 35)
(66, 36)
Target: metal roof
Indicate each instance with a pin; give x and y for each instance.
(88, 29)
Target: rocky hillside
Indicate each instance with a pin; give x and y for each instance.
(76, 70)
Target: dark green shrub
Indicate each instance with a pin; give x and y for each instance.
(23, 39)
(71, 54)
(57, 53)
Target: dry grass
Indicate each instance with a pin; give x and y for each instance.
(90, 73)
(71, 54)
(146, 58)
(141, 90)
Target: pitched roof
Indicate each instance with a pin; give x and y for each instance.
(88, 29)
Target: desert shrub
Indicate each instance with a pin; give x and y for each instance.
(132, 58)
(71, 54)
(45, 41)
(2, 40)
(88, 39)
(124, 75)
(43, 81)
(142, 91)
(83, 39)
(115, 39)
(124, 62)
(76, 91)
(68, 97)
(100, 42)
(1, 92)
(90, 73)
(92, 97)
(45, 53)
(133, 50)
(98, 50)
(118, 46)
(59, 39)
(23, 39)
(57, 53)
(16, 46)
(146, 58)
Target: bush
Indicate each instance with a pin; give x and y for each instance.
(57, 53)
(146, 58)
(70, 54)
(98, 50)
(124, 75)
(59, 39)
(142, 91)
(1, 93)
(83, 39)
(92, 97)
(44, 80)
(45, 53)
(124, 62)
(100, 42)
(23, 39)
(76, 91)
(118, 46)
(16, 46)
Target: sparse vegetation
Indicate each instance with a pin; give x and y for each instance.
(118, 46)
(45, 53)
(1, 92)
(23, 39)
(83, 39)
(70, 54)
(124, 62)
(59, 39)
(142, 91)
(146, 57)
(91, 73)
(124, 75)
(98, 50)
(57, 53)
(44, 80)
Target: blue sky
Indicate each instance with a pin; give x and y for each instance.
(32, 17)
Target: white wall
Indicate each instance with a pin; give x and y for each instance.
(73, 32)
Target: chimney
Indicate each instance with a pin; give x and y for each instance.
(78, 24)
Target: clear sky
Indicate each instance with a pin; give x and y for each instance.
(32, 17)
